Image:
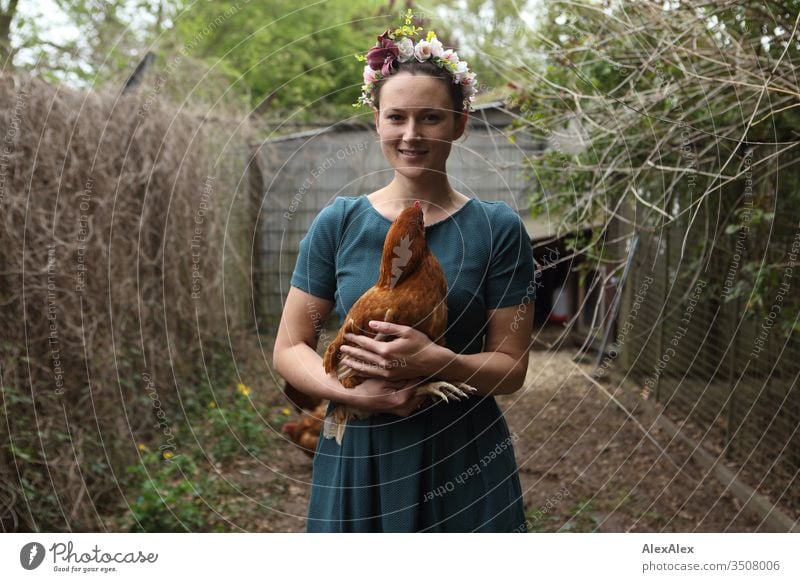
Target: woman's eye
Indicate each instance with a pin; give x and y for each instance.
(429, 117)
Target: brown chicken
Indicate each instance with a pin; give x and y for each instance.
(305, 432)
(300, 400)
(411, 290)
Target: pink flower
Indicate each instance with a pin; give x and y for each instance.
(382, 57)
(369, 74)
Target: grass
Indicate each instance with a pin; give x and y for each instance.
(184, 487)
(580, 517)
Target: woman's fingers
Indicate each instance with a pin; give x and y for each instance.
(361, 354)
(393, 396)
(388, 327)
(369, 344)
(366, 369)
(372, 364)
(377, 394)
(383, 369)
(410, 407)
(412, 351)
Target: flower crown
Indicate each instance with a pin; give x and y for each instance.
(398, 46)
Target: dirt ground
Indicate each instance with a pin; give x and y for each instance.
(585, 465)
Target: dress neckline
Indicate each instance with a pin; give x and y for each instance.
(427, 226)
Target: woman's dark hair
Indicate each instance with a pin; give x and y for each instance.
(416, 67)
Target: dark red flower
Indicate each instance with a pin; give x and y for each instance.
(382, 57)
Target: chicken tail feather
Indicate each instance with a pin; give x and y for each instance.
(334, 424)
(344, 371)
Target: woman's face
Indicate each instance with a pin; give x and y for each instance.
(416, 124)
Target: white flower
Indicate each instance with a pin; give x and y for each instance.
(460, 71)
(423, 50)
(437, 50)
(430, 49)
(450, 56)
(406, 48)
(469, 90)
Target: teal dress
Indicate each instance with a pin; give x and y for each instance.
(449, 467)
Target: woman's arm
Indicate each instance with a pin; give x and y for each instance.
(499, 369)
(502, 366)
(296, 360)
(294, 355)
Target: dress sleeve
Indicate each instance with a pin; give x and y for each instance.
(315, 269)
(511, 270)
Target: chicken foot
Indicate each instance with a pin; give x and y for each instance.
(336, 422)
(444, 389)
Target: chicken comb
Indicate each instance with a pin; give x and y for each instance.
(417, 204)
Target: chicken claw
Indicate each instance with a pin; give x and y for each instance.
(335, 423)
(445, 389)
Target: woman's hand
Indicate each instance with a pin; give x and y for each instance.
(409, 355)
(394, 397)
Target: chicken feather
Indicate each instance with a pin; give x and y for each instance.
(411, 290)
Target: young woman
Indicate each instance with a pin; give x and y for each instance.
(447, 467)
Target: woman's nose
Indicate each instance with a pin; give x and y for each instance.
(411, 131)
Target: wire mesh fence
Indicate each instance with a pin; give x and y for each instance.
(711, 318)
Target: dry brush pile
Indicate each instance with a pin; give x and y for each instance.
(112, 252)
(675, 110)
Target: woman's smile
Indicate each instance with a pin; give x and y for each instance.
(416, 126)
(413, 154)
